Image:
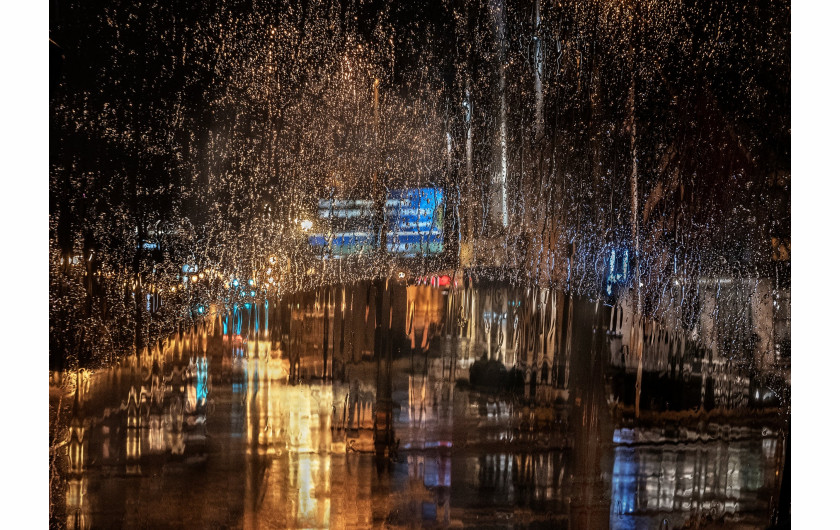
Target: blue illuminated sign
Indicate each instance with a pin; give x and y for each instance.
(414, 220)
(617, 270)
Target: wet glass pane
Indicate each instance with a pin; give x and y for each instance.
(405, 264)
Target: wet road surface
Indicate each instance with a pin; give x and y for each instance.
(213, 430)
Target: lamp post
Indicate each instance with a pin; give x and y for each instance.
(634, 211)
(382, 333)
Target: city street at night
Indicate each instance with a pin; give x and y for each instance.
(383, 264)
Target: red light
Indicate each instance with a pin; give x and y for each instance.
(443, 281)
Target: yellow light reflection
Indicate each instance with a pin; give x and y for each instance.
(292, 426)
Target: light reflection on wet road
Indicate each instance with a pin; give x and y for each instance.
(207, 432)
